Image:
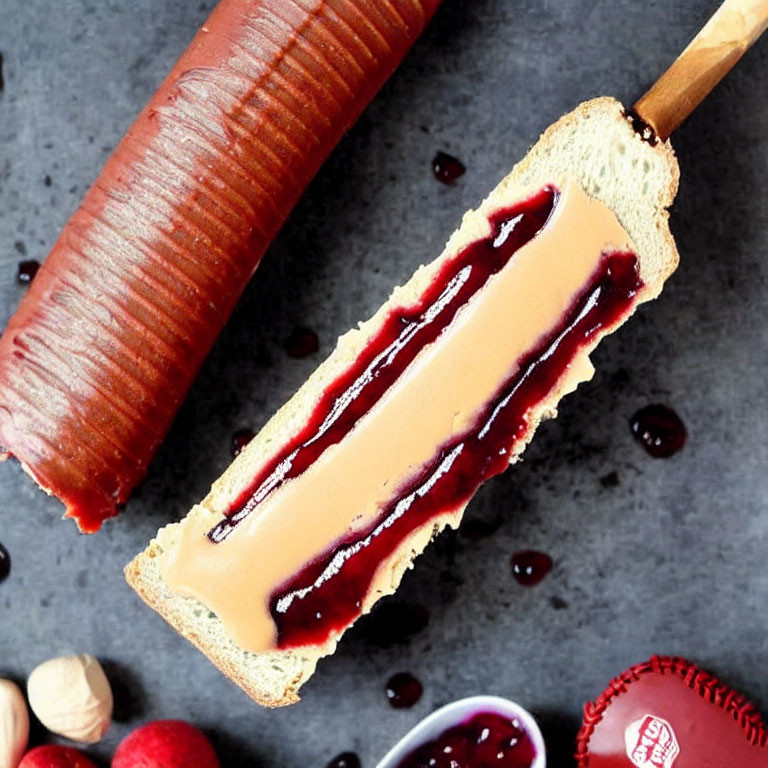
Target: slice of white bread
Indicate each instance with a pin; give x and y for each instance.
(595, 145)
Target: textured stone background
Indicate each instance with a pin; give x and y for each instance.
(672, 560)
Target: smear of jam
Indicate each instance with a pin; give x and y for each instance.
(27, 270)
(302, 343)
(327, 595)
(345, 760)
(240, 439)
(447, 168)
(5, 563)
(403, 690)
(403, 334)
(659, 430)
(530, 567)
(484, 740)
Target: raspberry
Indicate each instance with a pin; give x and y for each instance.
(165, 744)
(55, 757)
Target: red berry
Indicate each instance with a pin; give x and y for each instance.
(165, 744)
(55, 757)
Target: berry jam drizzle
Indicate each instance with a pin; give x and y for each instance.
(447, 168)
(404, 333)
(403, 690)
(530, 567)
(485, 740)
(327, 595)
(659, 430)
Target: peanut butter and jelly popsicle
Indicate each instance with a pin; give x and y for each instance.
(386, 443)
(115, 326)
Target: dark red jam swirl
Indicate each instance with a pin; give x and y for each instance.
(486, 740)
(403, 334)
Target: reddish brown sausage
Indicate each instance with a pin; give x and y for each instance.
(118, 321)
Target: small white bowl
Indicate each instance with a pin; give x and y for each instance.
(457, 712)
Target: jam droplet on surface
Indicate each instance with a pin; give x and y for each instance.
(27, 271)
(240, 439)
(5, 563)
(447, 168)
(302, 342)
(403, 690)
(530, 567)
(345, 760)
(485, 739)
(659, 430)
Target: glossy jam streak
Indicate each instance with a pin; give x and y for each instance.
(447, 168)
(403, 334)
(530, 567)
(486, 740)
(327, 595)
(403, 690)
(345, 760)
(5, 563)
(659, 430)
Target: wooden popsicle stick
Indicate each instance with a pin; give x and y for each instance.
(710, 56)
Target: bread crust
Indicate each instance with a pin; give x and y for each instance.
(596, 145)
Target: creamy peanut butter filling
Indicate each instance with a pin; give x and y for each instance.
(437, 398)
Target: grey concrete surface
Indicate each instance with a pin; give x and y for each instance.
(672, 560)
